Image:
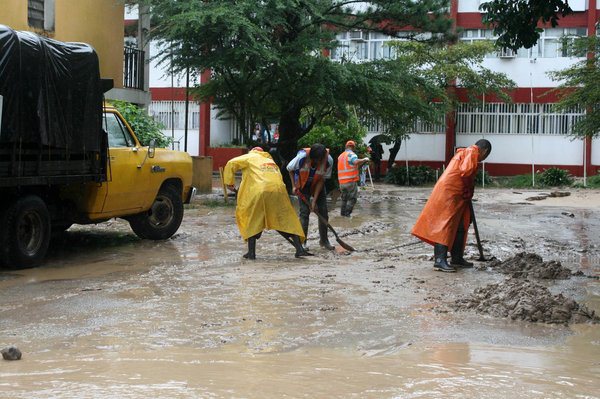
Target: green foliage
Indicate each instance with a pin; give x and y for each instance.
(518, 181)
(582, 84)
(416, 176)
(593, 181)
(333, 133)
(268, 63)
(552, 177)
(480, 177)
(144, 127)
(517, 22)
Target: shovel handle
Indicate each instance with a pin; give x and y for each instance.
(479, 246)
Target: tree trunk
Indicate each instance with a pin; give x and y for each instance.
(393, 152)
(290, 131)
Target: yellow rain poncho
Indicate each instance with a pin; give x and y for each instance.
(262, 202)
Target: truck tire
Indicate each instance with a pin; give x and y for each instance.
(163, 218)
(25, 233)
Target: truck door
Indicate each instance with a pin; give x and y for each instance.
(123, 172)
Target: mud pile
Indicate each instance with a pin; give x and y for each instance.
(525, 300)
(524, 265)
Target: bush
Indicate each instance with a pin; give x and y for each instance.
(417, 175)
(555, 177)
(481, 177)
(333, 133)
(144, 127)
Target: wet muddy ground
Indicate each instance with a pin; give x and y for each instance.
(111, 316)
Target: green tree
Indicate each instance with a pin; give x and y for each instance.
(438, 69)
(144, 127)
(516, 21)
(580, 87)
(267, 57)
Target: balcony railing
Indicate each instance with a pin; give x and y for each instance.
(133, 73)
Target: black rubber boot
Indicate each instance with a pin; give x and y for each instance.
(324, 240)
(251, 254)
(343, 210)
(300, 251)
(440, 263)
(458, 250)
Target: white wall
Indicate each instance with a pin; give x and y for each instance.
(220, 130)
(468, 5)
(420, 147)
(596, 152)
(160, 74)
(526, 73)
(525, 148)
(193, 143)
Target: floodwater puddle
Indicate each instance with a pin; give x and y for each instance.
(112, 316)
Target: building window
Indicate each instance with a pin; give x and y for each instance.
(520, 118)
(40, 14)
(553, 43)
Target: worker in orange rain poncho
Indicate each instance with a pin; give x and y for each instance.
(262, 201)
(446, 217)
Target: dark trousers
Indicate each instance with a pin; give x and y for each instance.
(321, 208)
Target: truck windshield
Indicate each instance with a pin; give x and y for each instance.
(118, 135)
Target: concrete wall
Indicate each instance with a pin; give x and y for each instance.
(220, 130)
(596, 152)
(526, 148)
(98, 23)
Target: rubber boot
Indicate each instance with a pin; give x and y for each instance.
(295, 241)
(304, 224)
(458, 250)
(343, 210)
(324, 240)
(251, 254)
(440, 263)
(300, 251)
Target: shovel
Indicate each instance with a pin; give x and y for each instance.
(479, 247)
(323, 220)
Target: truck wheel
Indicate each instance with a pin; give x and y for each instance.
(25, 233)
(163, 218)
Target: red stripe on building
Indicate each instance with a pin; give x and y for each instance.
(167, 93)
(539, 95)
(473, 20)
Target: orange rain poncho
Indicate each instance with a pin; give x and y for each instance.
(262, 202)
(446, 207)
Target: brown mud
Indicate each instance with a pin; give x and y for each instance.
(528, 301)
(525, 265)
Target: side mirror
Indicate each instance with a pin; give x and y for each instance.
(152, 148)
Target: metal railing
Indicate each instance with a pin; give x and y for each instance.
(134, 67)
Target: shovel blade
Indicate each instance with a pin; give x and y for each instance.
(347, 247)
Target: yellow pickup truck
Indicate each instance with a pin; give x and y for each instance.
(145, 185)
(65, 158)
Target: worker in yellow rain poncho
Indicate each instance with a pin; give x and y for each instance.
(262, 201)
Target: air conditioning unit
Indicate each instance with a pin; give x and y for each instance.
(358, 36)
(507, 53)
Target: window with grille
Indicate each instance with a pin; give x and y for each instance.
(521, 118)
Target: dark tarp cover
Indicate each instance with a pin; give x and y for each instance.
(51, 90)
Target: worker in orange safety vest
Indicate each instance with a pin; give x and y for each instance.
(348, 177)
(446, 217)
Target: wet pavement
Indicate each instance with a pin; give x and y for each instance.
(111, 316)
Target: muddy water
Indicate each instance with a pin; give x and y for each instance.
(110, 316)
